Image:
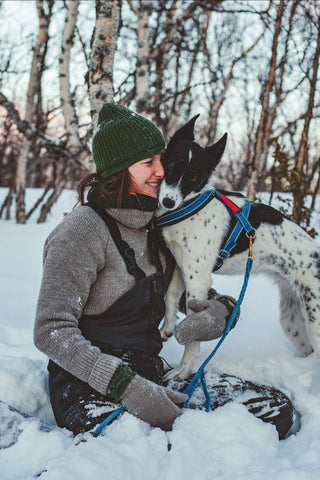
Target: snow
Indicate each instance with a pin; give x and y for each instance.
(228, 443)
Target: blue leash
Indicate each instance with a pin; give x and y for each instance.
(107, 420)
(199, 375)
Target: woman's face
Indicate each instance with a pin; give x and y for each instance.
(146, 176)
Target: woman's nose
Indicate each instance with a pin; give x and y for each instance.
(159, 170)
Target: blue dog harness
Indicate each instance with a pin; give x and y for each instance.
(200, 201)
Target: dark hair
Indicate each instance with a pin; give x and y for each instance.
(115, 188)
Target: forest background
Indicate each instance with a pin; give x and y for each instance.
(250, 68)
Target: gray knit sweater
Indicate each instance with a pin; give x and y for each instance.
(84, 273)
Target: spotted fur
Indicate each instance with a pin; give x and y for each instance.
(282, 249)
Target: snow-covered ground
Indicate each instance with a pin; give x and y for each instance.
(226, 444)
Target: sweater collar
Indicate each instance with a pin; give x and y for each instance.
(135, 213)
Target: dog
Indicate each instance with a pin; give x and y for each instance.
(281, 248)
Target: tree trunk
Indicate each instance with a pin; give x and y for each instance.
(279, 92)
(103, 47)
(39, 201)
(299, 192)
(7, 204)
(74, 145)
(58, 189)
(255, 167)
(67, 103)
(143, 95)
(37, 67)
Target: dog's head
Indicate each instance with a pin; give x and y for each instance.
(187, 166)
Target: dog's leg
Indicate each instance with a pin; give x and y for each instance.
(310, 300)
(293, 319)
(173, 295)
(185, 367)
(196, 287)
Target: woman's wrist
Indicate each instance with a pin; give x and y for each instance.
(120, 381)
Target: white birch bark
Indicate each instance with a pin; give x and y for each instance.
(103, 47)
(33, 91)
(74, 144)
(142, 71)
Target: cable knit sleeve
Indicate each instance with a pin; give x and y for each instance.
(74, 254)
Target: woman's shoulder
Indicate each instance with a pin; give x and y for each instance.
(81, 222)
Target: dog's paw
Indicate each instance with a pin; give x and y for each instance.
(179, 373)
(165, 333)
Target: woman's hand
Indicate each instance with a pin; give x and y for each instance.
(208, 321)
(152, 403)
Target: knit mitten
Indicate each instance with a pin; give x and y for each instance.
(208, 321)
(146, 400)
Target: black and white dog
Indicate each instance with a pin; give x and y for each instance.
(281, 248)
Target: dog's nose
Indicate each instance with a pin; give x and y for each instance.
(168, 202)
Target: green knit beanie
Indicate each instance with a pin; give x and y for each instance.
(123, 138)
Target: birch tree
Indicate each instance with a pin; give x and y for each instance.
(75, 149)
(73, 143)
(44, 9)
(103, 47)
(142, 9)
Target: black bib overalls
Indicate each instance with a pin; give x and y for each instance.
(128, 329)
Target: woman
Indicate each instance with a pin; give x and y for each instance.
(102, 294)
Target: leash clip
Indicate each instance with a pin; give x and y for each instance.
(250, 236)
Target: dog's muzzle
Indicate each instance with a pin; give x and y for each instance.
(168, 203)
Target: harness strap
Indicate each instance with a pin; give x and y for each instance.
(231, 242)
(125, 251)
(186, 210)
(237, 212)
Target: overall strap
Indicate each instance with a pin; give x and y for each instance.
(153, 245)
(125, 251)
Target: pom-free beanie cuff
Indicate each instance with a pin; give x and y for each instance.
(156, 150)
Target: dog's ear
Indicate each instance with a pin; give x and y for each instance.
(216, 150)
(186, 131)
